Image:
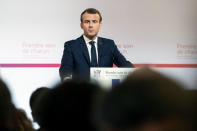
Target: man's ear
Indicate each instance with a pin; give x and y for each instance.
(81, 25)
(101, 24)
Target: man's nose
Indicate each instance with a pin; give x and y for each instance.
(90, 24)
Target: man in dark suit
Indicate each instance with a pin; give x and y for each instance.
(89, 50)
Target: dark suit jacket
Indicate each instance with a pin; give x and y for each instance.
(76, 60)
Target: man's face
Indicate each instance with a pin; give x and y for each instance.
(90, 25)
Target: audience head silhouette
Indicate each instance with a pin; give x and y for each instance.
(145, 101)
(35, 101)
(68, 106)
(6, 106)
(11, 118)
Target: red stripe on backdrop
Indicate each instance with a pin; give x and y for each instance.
(28, 65)
(24, 65)
(166, 65)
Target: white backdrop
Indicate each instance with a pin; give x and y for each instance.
(33, 32)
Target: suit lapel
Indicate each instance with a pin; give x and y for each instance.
(84, 49)
(100, 50)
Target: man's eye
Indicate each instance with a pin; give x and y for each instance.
(95, 21)
(86, 21)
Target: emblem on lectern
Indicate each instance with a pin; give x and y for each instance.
(97, 73)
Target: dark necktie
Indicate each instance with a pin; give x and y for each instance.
(93, 55)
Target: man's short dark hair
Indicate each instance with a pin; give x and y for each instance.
(91, 11)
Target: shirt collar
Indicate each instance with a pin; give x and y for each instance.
(87, 40)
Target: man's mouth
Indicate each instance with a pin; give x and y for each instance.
(90, 31)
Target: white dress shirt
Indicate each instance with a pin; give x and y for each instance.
(89, 46)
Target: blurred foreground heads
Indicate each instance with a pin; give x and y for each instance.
(11, 118)
(6, 106)
(146, 101)
(34, 103)
(68, 106)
